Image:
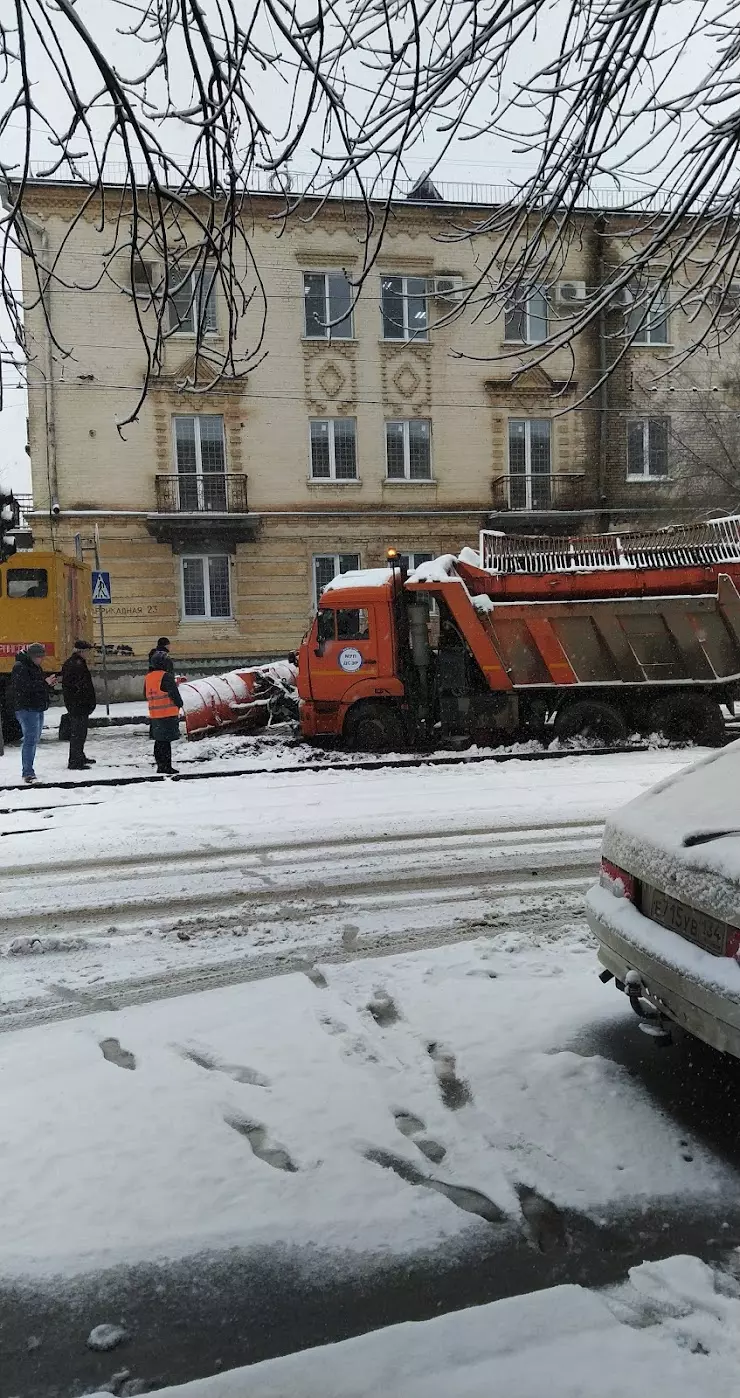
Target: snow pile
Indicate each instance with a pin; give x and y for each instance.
(671, 1331)
(470, 556)
(437, 570)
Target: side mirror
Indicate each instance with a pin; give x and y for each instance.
(319, 649)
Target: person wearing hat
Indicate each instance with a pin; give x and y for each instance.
(163, 643)
(164, 701)
(29, 698)
(78, 692)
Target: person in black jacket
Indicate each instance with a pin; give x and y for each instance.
(165, 702)
(78, 691)
(29, 697)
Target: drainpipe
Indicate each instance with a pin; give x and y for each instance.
(599, 227)
(47, 360)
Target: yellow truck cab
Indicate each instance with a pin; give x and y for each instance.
(44, 597)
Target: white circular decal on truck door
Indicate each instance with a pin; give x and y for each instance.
(350, 659)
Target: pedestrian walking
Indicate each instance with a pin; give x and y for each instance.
(79, 696)
(163, 643)
(29, 698)
(165, 702)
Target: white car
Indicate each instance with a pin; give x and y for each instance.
(666, 910)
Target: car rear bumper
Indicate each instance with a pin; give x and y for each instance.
(671, 976)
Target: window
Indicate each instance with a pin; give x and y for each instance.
(408, 454)
(144, 279)
(648, 320)
(647, 448)
(403, 302)
(328, 565)
(206, 590)
(327, 298)
(410, 561)
(529, 463)
(27, 582)
(353, 624)
(200, 457)
(525, 320)
(333, 449)
(192, 300)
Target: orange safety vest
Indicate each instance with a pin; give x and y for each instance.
(160, 705)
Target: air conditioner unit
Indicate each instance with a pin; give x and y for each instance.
(623, 297)
(146, 278)
(728, 298)
(569, 293)
(446, 288)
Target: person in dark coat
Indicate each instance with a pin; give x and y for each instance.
(163, 643)
(78, 691)
(165, 702)
(29, 698)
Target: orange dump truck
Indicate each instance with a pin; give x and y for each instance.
(599, 636)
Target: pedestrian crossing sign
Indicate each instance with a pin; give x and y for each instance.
(101, 594)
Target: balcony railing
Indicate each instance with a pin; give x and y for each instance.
(213, 492)
(538, 493)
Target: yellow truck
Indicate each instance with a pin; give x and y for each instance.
(44, 597)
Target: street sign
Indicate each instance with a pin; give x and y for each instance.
(101, 594)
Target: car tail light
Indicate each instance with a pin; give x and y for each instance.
(617, 880)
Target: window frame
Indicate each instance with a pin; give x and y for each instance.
(332, 478)
(645, 422)
(528, 475)
(407, 478)
(208, 305)
(409, 335)
(414, 554)
(528, 338)
(641, 337)
(328, 332)
(338, 570)
(205, 558)
(24, 597)
(185, 478)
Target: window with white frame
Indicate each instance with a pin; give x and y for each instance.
(410, 561)
(530, 465)
(525, 320)
(200, 459)
(329, 565)
(192, 300)
(408, 450)
(206, 586)
(403, 305)
(647, 448)
(327, 306)
(333, 449)
(647, 320)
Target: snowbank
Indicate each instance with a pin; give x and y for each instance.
(672, 1331)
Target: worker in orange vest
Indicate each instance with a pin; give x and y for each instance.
(165, 702)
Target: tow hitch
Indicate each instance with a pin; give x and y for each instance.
(652, 1022)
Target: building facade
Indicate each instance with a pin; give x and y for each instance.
(222, 513)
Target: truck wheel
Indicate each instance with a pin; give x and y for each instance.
(689, 718)
(374, 728)
(593, 719)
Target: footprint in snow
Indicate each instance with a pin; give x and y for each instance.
(545, 1222)
(454, 1092)
(412, 1126)
(383, 1009)
(471, 1201)
(113, 1053)
(265, 1149)
(236, 1071)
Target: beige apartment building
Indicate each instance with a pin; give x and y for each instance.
(222, 514)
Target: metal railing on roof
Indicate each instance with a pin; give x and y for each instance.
(321, 185)
(682, 546)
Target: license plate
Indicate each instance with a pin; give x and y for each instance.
(699, 928)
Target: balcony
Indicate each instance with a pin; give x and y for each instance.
(208, 508)
(540, 494)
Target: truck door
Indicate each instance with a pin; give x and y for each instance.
(345, 651)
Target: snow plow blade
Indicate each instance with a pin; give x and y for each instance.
(240, 700)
